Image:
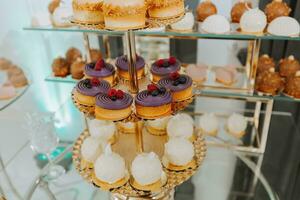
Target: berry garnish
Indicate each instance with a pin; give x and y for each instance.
(176, 83)
(112, 92)
(99, 65)
(162, 90)
(172, 60)
(166, 64)
(182, 80)
(114, 98)
(174, 75)
(86, 81)
(151, 87)
(120, 94)
(155, 93)
(95, 82)
(160, 63)
(88, 85)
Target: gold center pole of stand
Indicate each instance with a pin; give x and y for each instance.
(134, 85)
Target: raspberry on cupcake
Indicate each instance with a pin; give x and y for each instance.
(163, 68)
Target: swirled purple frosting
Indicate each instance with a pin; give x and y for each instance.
(144, 98)
(122, 63)
(85, 87)
(164, 71)
(108, 70)
(169, 83)
(104, 101)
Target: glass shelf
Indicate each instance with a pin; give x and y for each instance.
(67, 79)
(20, 92)
(234, 35)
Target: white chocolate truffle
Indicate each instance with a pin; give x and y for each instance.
(253, 21)
(179, 151)
(110, 167)
(186, 23)
(209, 123)
(91, 148)
(284, 26)
(146, 169)
(217, 24)
(61, 16)
(236, 124)
(180, 125)
(160, 124)
(102, 129)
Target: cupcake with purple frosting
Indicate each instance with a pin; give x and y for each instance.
(100, 70)
(163, 68)
(180, 86)
(123, 65)
(86, 90)
(114, 105)
(154, 102)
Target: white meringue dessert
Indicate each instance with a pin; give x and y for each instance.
(185, 24)
(253, 21)
(61, 16)
(216, 24)
(284, 26)
(146, 169)
(91, 148)
(178, 152)
(110, 167)
(103, 129)
(158, 126)
(209, 124)
(181, 126)
(237, 125)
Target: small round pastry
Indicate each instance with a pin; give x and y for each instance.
(90, 150)
(179, 85)
(164, 9)
(163, 68)
(152, 179)
(253, 21)
(5, 64)
(292, 87)
(180, 126)
(205, 9)
(269, 82)
(126, 127)
(14, 71)
(277, 8)
(61, 16)
(110, 170)
(77, 69)
(88, 11)
(7, 91)
(95, 55)
(129, 14)
(183, 117)
(265, 63)
(104, 130)
(284, 26)
(216, 24)
(185, 24)
(86, 90)
(100, 70)
(237, 125)
(197, 72)
(153, 103)
(60, 67)
(123, 65)
(238, 10)
(72, 55)
(53, 5)
(19, 80)
(209, 124)
(179, 154)
(158, 126)
(114, 105)
(226, 75)
(288, 66)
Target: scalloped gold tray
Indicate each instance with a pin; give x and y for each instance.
(127, 149)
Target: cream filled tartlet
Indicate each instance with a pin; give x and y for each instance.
(163, 68)
(158, 126)
(181, 126)
(179, 154)
(216, 24)
(129, 14)
(103, 130)
(226, 75)
(110, 170)
(88, 11)
(253, 21)
(91, 148)
(237, 125)
(164, 9)
(197, 72)
(152, 180)
(123, 65)
(209, 124)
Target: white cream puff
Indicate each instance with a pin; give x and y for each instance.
(105, 130)
(209, 124)
(237, 125)
(181, 125)
(158, 126)
(91, 148)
